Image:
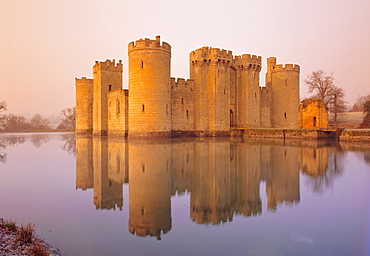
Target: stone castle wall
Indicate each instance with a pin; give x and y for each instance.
(248, 68)
(182, 105)
(265, 108)
(84, 99)
(312, 114)
(222, 94)
(284, 88)
(150, 95)
(107, 77)
(118, 112)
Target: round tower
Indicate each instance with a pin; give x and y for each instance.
(84, 98)
(149, 85)
(285, 95)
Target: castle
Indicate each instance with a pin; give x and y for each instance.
(222, 94)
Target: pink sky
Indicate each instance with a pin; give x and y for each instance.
(45, 44)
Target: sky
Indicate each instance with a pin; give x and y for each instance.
(46, 44)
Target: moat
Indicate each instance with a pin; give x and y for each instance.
(195, 196)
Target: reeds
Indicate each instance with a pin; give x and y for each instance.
(26, 234)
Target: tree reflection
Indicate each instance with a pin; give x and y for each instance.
(7, 141)
(69, 143)
(38, 139)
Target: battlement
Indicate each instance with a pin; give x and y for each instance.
(84, 80)
(108, 65)
(149, 44)
(286, 67)
(211, 54)
(248, 59)
(182, 83)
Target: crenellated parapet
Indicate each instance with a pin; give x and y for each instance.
(208, 55)
(83, 80)
(181, 83)
(108, 65)
(286, 67)
(149, 44)
(248, 62)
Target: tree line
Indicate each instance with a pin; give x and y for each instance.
(12, 122)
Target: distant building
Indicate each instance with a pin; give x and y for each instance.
(222, 94)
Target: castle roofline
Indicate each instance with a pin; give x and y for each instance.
(147, 43)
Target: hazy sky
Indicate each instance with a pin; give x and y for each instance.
(45, 44)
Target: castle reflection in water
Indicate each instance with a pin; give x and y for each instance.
(223, 176)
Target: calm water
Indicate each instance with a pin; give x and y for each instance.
(189, 196)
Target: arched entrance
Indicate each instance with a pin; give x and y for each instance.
(314, 121)
(232, 122)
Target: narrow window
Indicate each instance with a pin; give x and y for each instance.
(142, 212)
(314, 121)
(286, 82)
(142, 108)
(142, 64)
(285, 115)
(109, 87)
(143, 168)
(187, 114)
(118, 164)
(118, 107)
(182, 101)
(167, 109)
(255, 94)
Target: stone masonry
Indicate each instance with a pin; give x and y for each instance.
(222, 94)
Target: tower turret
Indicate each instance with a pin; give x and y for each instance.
(107, 77)
(84, 98)
(149, 85)
(210, 70)
(282, 81)
(248, 88)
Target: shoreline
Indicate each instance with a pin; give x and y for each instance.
(15, 240)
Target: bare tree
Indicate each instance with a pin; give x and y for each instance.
(69, 119)
(2, 109)
(360, 101)
(38, 122)
(337, 104)
(321, 84)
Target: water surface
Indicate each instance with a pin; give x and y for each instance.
(110, 196)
